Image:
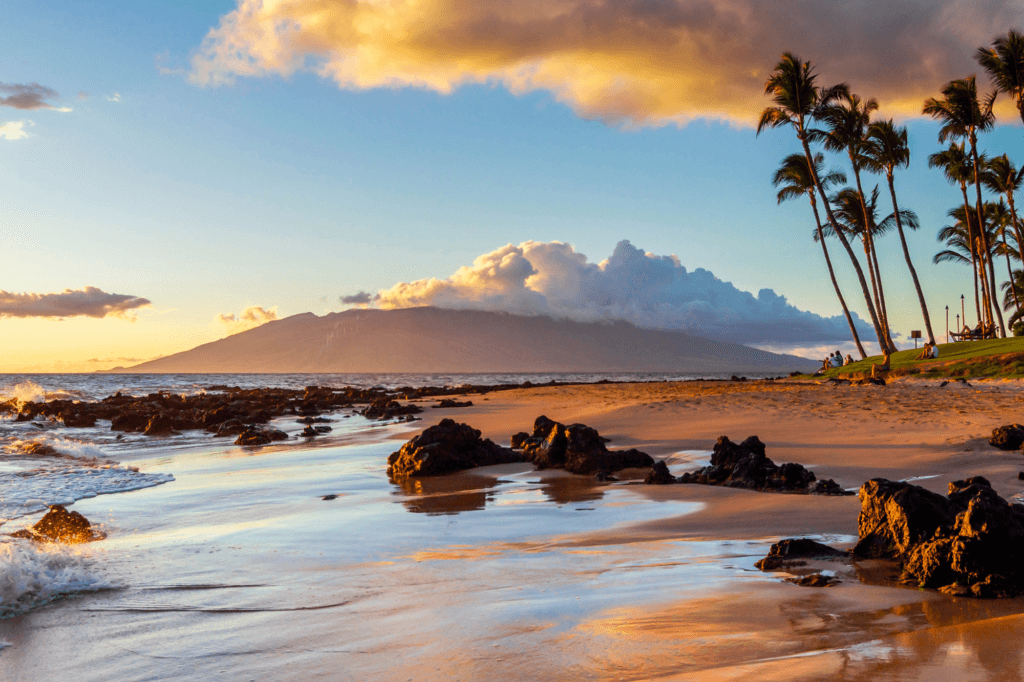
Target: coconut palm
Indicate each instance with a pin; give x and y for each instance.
(958, 168)
(795, 97)
(1004, 62)
(846, 120)
(1001, 177)
(886, 151)
(794, 180)
(997, 215)
(963, 116)
(1013, 290)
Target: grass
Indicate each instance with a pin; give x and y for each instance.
(995, 358)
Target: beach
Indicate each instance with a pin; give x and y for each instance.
(237, 568)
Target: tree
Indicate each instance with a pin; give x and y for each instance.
(997, 215)
(846, 119)
(795, 97)
(1004, 63)
(963, 116)
(794, 180)
(1001, 177)
(886, 151)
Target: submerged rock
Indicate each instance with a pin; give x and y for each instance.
(59, 525)
(1009, 437)
(577, 448)
(254, 436)
(969, 543)
(792, 550)
(814, 580)
(745, 465)
(445, 448)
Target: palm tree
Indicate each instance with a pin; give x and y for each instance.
(957, 167)
(794, 179)
(1004, 62)
(1001, 177)
(846, 119)
(963, 116)
(1014, 291)
(795, 98)
(888, 150)
(997, 214)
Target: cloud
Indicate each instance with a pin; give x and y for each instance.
(87, 302)
(634, 62)
(116, 97)
(251, 317)
(14, 130)
(82, 94)
(106, 361)
(31, 96)
(361, 298)
(657, 292)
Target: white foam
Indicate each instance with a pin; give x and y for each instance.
(25, 392)
(66, 447)
(32, 574)
(27, 492)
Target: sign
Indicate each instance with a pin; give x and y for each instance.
(915, 334)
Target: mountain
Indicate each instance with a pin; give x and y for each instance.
(434, 340)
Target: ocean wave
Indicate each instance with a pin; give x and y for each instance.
(32, 575)
(55, 445)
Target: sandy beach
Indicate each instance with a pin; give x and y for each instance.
(237, 569)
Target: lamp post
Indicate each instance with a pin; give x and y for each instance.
(947, 324)
(963, 315)
(958, 325)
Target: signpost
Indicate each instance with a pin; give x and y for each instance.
(916, 334)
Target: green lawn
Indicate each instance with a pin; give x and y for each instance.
(967, 359)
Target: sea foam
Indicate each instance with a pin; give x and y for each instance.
(32, 574)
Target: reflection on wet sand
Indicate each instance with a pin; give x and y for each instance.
(457, 493)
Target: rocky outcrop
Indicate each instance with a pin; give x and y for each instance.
(1009, 437)
(258, 436)
(576, 448)
(385, 409)
(745, 465)
(968, 543)
(59, 525)
(795, 552)
(445, 448)
(659, 474)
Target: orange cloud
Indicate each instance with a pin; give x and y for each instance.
(633, 62)
(86, 302)
(251, 317)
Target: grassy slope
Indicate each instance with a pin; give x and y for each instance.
(996, 358)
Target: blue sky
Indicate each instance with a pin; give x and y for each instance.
(287, 192)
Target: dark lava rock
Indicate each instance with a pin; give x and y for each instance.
(445, 448)
(577, 448)
(448, 402)
(313, 431)
(159, 425)
(970, 543)
(78, 420)
(59, 525)
(254, 436)
(744, 465)
(385, 408)
(313, 420)
(786, 552)
(659, 474)
(232, 427)
(1009, 437)
(519, 439)
(814, 580)
(130, 422)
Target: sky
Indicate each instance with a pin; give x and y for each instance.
(177, 172)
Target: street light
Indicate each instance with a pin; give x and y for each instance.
(958, 325)
(947, 324)
(963, 315)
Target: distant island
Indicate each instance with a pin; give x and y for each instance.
(435, 340)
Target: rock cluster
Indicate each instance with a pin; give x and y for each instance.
(445, 448)
(59, 525)
(576, 448)
(745, 465)
(970, 542)
(260, 436)
(385, 409)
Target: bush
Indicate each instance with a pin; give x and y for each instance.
(1018, 328)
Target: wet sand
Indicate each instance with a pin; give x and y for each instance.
(238, 570)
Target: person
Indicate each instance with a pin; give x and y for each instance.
(849, 359)
(926, 352)
(878, 369)
(836, 360)
(935, 352)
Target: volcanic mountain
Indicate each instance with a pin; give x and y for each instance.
(434, 340)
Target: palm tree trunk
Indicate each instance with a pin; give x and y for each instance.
(981, 228)
(974, 266)
(986, 296)
(974, 250)
(879, 292)
(910, 264)
(835, 283)
(1009, 269)
(842, 239)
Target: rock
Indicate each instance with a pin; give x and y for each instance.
(386, 408)
(659, 474)
(60, 525)
(970, 543)
(1009, 437)
(232, 427)
(159, 425)
(519, 439)
(744, 465)
(313, 420)
(76, 420)
(896, 516)
(814, 580)
(604, 477)
(785, 552)
(254, 436)
(577, 448)
(309, 432)
(130, 422)
(445, 448)
(448, 402)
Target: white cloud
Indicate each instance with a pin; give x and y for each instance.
(536, 278)
(251, 317)
(14, 130)
(116, 97)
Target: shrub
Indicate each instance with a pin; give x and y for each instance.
(1018, 328)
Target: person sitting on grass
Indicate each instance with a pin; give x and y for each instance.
(837, 359)
(926, 352)
(878, 369)
(849, 360)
